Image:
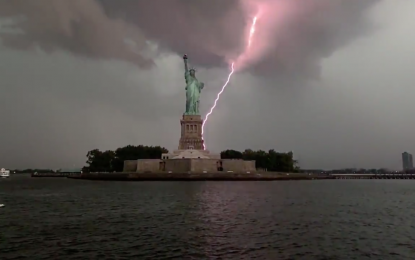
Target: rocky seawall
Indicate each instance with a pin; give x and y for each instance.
(217, 176)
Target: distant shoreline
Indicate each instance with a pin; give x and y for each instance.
(216, 176)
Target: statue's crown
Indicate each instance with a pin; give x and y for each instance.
(192, 69)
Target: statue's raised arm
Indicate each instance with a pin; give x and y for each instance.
(186, 69)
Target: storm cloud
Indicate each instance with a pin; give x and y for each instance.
(292, 36)
(80, 27)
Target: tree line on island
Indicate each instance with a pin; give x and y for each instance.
(113, 161)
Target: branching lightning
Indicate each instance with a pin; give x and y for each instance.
(249, 42)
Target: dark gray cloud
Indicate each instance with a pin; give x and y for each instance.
(205, 30)
(210, 32)
(80, 27)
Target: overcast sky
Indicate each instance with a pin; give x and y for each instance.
(331, 81)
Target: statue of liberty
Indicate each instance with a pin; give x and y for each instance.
(193, 90)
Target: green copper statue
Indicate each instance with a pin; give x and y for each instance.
(193, 90)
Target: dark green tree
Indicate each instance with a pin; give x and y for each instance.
(231, 154)
(99, 161)
(131, 152)
(271, 160)
(110, 161)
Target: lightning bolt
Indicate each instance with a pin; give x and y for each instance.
(250, 38)
(252, 31)
(216, 101)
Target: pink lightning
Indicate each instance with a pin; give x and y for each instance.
(252, 31)
(251, 34)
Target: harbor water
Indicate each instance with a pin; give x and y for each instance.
(59, 218)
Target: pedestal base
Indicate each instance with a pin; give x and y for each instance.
(190, 154)
(191, 133)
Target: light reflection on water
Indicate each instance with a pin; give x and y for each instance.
(334, 219)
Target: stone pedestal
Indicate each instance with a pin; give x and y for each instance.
(190, 156)
(191, 133)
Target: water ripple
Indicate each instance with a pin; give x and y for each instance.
(70, 219)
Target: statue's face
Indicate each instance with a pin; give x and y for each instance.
(192, 73)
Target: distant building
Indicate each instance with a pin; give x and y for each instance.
(4, 173)
(407, 163)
